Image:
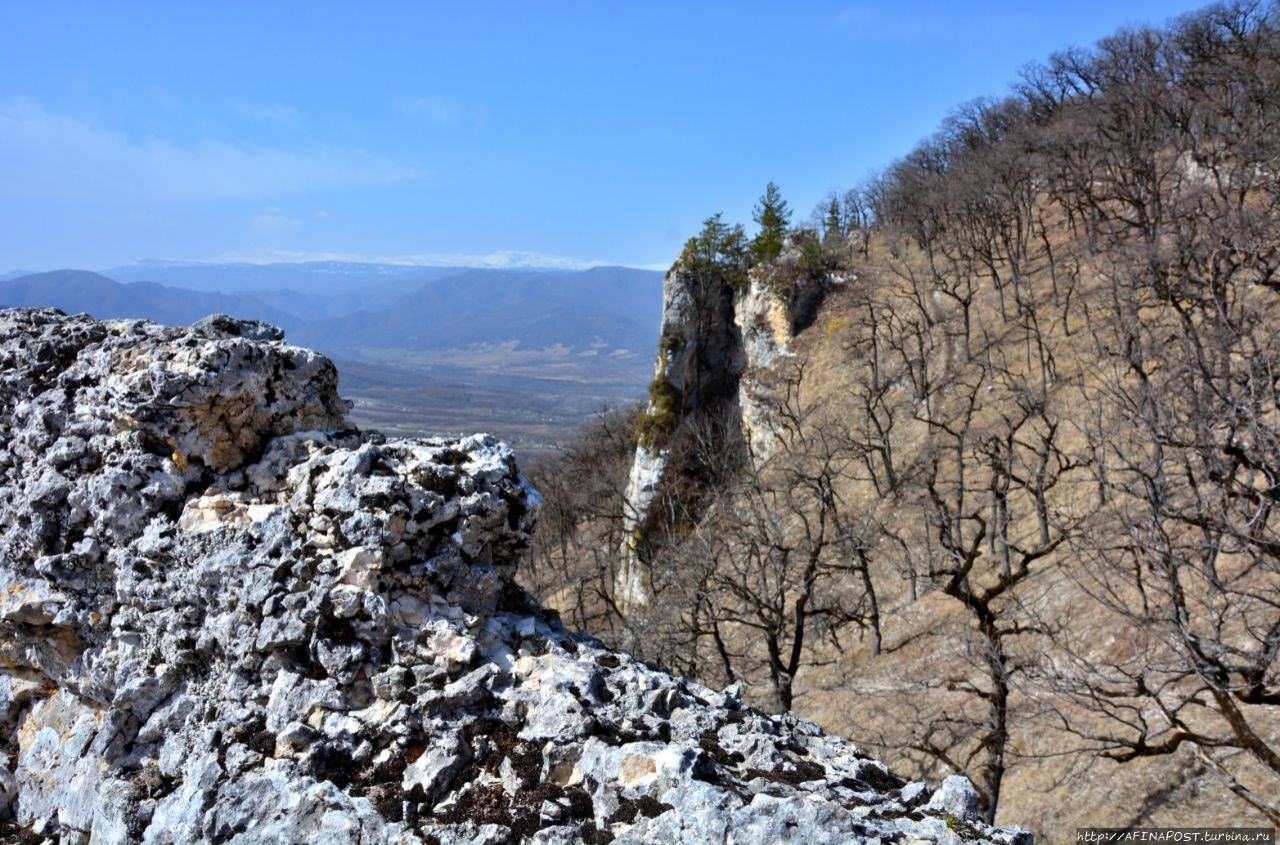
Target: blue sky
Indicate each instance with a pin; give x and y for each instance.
(596, 132)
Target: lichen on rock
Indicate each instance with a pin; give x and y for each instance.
(227, 617)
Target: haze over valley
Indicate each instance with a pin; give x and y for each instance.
(525, 354)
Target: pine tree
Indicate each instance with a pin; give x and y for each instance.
(718, 251)
(773, 216)
(832, 225)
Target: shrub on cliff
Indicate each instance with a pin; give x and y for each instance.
(656, 423)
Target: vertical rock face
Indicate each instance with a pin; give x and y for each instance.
(700, 360)
(226, 618)
(716, 347)
(764, 323)
(700, 347)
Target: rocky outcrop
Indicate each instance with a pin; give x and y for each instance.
(699, 362)
(224, 617)
(765, 325)
(720, 343)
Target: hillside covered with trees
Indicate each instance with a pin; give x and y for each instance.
(1016, 519)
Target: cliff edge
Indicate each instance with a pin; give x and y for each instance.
(227, 617)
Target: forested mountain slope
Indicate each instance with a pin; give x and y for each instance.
(1016, 514)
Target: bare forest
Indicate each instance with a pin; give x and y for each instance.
(1016, 521)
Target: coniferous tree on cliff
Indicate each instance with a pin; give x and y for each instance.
(773, 217)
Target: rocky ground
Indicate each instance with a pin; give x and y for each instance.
(226, 617)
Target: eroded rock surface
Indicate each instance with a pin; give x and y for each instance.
(224, 617)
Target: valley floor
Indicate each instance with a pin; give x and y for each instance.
(533, 415)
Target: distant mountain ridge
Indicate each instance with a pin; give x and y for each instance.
(609, 308)
(77, 291)
(316, 277)
(614, 308)
(534, 350)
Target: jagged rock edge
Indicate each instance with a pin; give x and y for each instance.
(229, 618)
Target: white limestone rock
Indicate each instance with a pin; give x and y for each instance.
(224, 617)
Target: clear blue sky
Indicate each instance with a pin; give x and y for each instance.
(594, 131)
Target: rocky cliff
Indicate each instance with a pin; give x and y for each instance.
(225, 617)
(699, 364)
(721, 340)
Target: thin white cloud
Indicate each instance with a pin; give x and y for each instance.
(903, 23)
(271, 222)
(440, 110)
(906, 23)
(50, 156)
(279, 114)
(497, 260)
